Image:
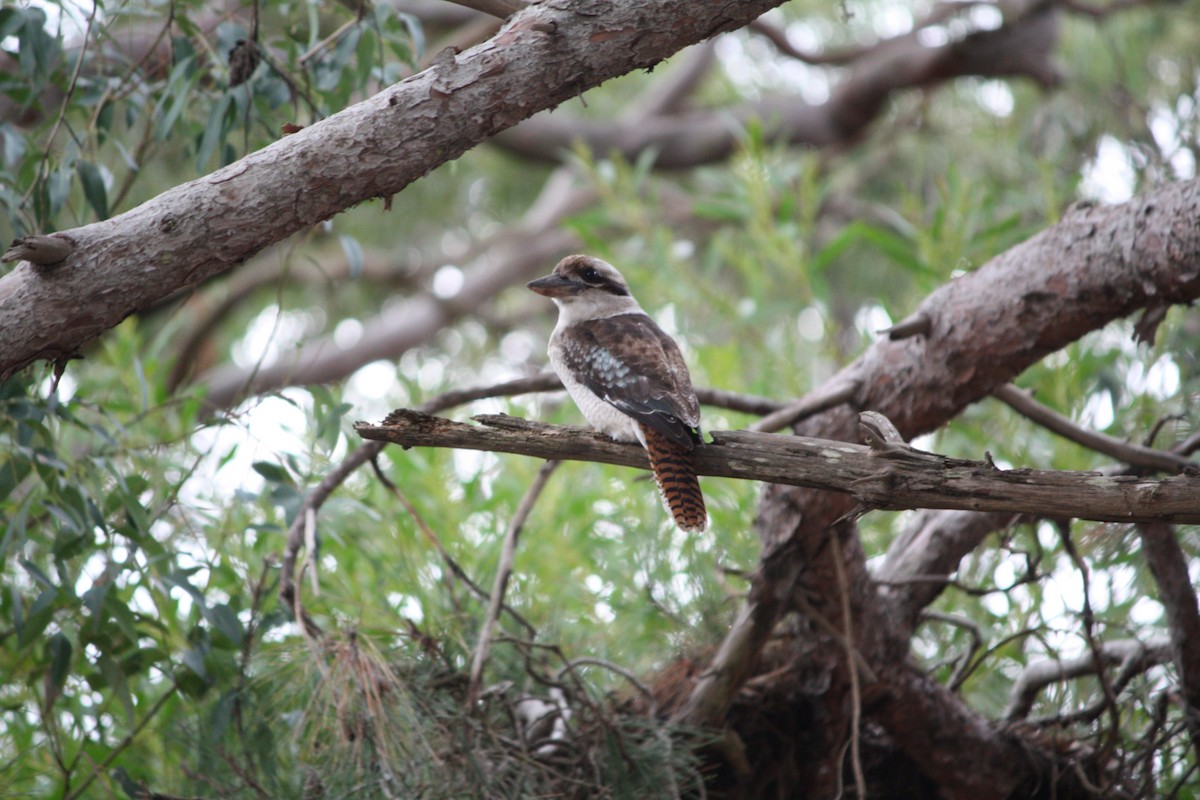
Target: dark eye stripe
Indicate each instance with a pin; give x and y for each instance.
(610, 286)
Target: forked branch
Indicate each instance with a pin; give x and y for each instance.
(891, 476)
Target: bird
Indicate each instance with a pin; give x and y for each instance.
(627, 376)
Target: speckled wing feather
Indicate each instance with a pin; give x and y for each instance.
(633, 365)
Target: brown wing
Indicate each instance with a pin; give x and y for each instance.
(633, 365)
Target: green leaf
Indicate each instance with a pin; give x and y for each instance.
(224, 620)
(273, 473)
(114, 679)
(39, 616)
(36, 573)
(37, 50)
(94, 190)
(215, 131)
(59, 651)
(176, 99)
(12, 472)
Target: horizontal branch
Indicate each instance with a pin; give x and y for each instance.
(895, 476)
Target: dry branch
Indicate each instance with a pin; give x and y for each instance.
(894, 477)
(1128, 452)
(1133, 655)
(1169, 565)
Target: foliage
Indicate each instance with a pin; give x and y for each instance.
(144, 644)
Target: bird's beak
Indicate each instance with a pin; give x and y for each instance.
(553, 286)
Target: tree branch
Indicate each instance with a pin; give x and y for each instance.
(1128, 452)
(1022, 48)
(1169, 565)
(542, 56)
(1098, 264)
(1136, 656)
(931, 547)
(895, 477)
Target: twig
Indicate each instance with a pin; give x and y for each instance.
(1040, 674)
(62, 111)
(778, 38)
(1089, 633)
(503, 573)
(124, 743)
(368, 453)
(1128, 452)
(962, 669)
(455, 568)
(1093, 644)
(829, 395)
(312, 502)
(611, 667)
(735, 401)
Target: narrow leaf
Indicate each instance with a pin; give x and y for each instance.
(94, 190)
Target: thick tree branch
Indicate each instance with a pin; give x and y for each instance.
(921, 559)
(1098, 264)
(896, 477)
(542, 56)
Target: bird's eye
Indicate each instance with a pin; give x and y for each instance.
(590, 275)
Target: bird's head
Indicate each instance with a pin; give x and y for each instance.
(585, 287)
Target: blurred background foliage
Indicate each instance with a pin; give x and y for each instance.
(143, 641)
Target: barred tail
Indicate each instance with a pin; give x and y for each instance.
(676, 478)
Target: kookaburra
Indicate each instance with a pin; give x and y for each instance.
(627, 376)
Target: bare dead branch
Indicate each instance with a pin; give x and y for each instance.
(1128, 452)
(898, 478)
(503, 573)
(1169, 565)
(1039, 675)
